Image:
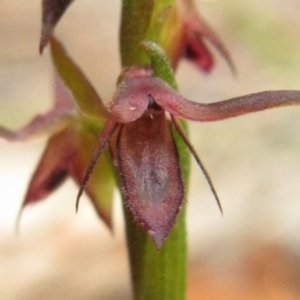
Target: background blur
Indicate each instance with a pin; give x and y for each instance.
(253, 252)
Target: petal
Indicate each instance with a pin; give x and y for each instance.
(52, 12)
(53, 121)
(183, 108)
(52, 168)
(85, 96)
(48, 123)
(138, 92)
(63, 97)
(184, 138)
(68, 153)
(109, 128)
(148, 165)
(100, 186)
(197, 52)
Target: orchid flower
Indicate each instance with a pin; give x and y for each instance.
(140, 119)
(64, 156)
(139, 126)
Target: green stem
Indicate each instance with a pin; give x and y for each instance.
(155, 274)
(136, 15)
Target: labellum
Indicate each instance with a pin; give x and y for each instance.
(147, 163)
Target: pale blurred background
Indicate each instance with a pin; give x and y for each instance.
(252, 252)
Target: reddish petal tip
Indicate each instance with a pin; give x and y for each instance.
(157, 237)
(150, 174)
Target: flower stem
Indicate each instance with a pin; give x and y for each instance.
(155, 274)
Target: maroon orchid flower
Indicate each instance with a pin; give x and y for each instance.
(140, 118)
(142, 113)
(65, 155)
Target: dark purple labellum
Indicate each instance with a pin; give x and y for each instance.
(148, 165)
